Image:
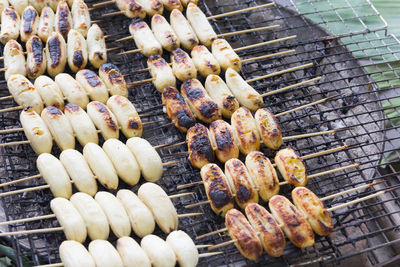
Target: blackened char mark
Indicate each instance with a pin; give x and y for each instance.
(243, 194)
(106, 67)
(133, 124)
(63, 23)
(208, 109)
(137, 24)
(193, 93)
(133, 7)
(184, 119)
(11, 13)
(107, 116)
(201, 142)
(29, 17)
(179, 56)
(224, 140)
(92, 78)
(37, 50)
(99, 54)
(54, 46)
(77, 58)
(71, 107)
(219, 197)
(157, 61)
(55, 112)
(158, 18)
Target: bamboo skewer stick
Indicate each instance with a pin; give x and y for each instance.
(212, 233)
(97, 5)
(35, 231)
(291, 86)
(240, 11)
(280, 72)
(286, 138)
(264, 28)
(203, 246)
(21, 180)
(43, 217)
(306, 106)
(226, 243)
(181, 195)
(190, 214)
(286, 52)
(6, 97)
(209, 254)
(11, 109)
(362, 199)
(351, 190)
(265, 43)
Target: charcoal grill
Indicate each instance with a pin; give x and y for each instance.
(366, 233)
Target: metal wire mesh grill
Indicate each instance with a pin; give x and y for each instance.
(368, 228)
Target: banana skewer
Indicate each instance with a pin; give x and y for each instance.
(77, 52)
(222, 98)
(264, 230)
(257, 177)
(49, 92)
(115, 159)
(84, 214)
(63, 128)
(244, 134)
(178, 248)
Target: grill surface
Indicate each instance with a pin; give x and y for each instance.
(369, 228)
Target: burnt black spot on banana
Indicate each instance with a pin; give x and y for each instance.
(106, 115)
(11, 14)
(54, 47)
(29, 17)
(92, 78)
(37, 50)
(180, 57)
(53, 111)
(77, 58)
(71, 108)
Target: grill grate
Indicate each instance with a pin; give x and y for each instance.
(369, 228)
